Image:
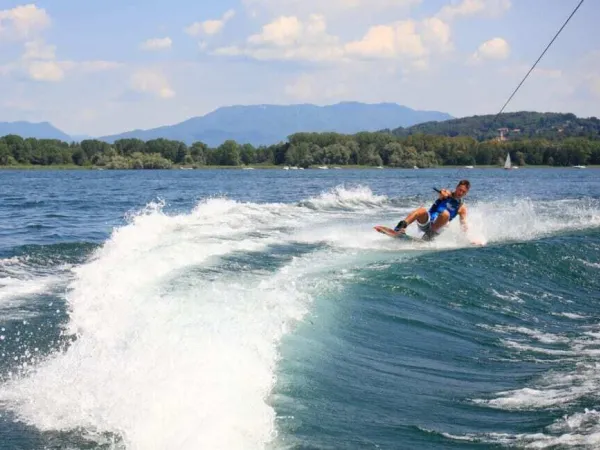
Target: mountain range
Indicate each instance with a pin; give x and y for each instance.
(259, 124)
(41, 130)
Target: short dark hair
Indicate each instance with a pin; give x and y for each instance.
(464, 183)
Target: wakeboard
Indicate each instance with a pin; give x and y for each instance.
(390, 232)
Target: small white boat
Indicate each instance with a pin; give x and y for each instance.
(508, 164)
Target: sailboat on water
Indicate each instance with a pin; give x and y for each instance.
(508, 164)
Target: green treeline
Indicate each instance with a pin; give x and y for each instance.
(303, 150)
(516, 125)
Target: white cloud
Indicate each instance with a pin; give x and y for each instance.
(38, 49)
(496, 48)
(289, 38)
(465, 8)
(209, 27)
(38, 60)
(282, 32)
(22, 22)
(152, 82)
(157, 44)
(437, 34)
(39, 63)
(45, 71)
(389, 41)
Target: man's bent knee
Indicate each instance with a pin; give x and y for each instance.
(422, 215)
(444, 216)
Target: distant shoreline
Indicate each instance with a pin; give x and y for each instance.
(261, 167)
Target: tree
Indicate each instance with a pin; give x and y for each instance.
(198, 152)
(229, 153)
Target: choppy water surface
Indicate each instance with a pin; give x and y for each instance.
(258, 309)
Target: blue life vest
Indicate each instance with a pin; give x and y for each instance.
(450, 204)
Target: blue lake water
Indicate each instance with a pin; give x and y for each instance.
(258, 309)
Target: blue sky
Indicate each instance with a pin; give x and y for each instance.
(103, 67)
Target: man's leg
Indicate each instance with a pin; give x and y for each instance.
(431, 231)
(420, 214)
(440, 221)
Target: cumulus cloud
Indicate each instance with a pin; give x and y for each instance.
(437, 34)
(209, 27)
(285, 31)
(45, 71)
(389, 41)
(39, 63)
(496, 48)
(151, 82)
(22, 22)
(157, 44)
(38, 60)
(289, 38)
(465, 8)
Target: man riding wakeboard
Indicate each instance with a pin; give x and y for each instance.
(444, 209)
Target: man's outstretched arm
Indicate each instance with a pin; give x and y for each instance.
(462, 212)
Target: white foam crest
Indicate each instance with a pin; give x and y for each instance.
(20, 284)
(590, 264)
(526, 219)
(546, 338)
(13, 288)
(511, 296)
(165, 356)
(570, 315)
(346, 198)
(528, 398)
(530, 348)
(531, 441)
(588, 419)
(577, 430)
(553, 389)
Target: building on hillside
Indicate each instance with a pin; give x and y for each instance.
(502, 136)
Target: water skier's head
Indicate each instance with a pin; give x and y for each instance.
(462, 188)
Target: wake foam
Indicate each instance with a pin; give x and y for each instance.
(341, 198)
(170, 355)
(165, 356)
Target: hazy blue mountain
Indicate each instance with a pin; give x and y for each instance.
(270, 124)
(81, 137)
(41, 130)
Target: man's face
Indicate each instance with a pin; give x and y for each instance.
(461, 191)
